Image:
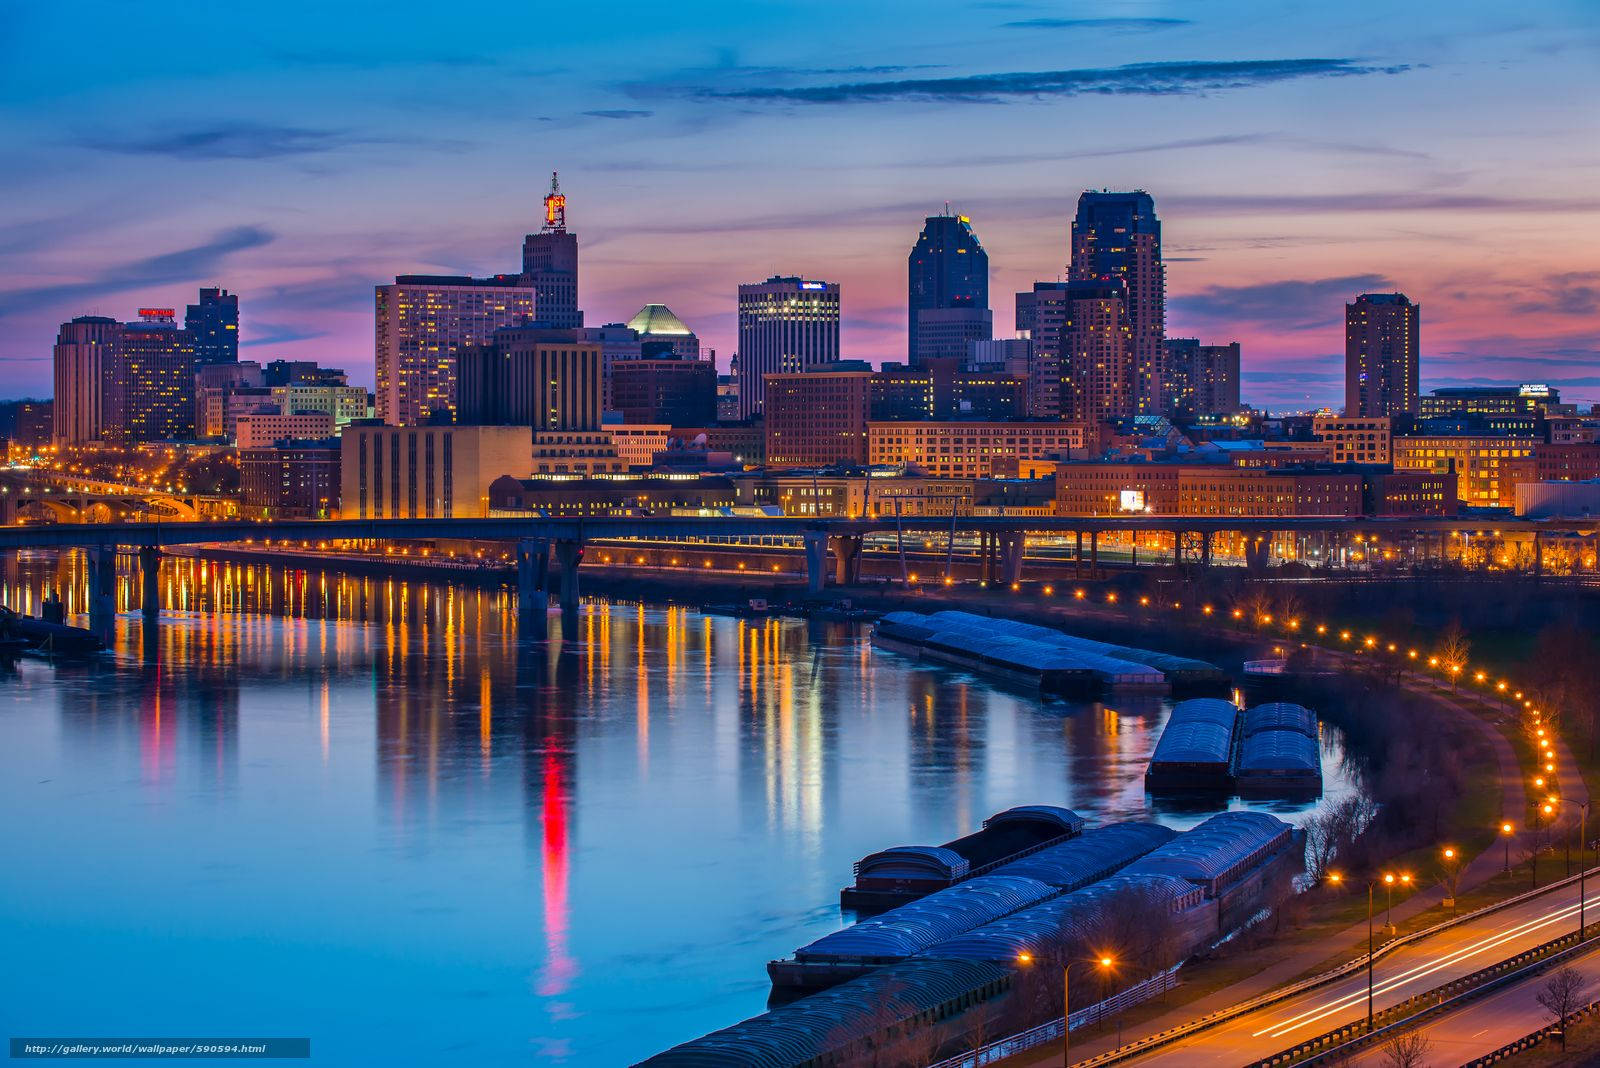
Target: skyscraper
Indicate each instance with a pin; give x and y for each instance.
(1117, 235)
(214, 325)
(151, 394)
(422, 322)
(947, 290)
(786, 324)
(1201, 379)
(1096, 339)
(550, 264)
(1041, 314)
(1381, 342)
(533, 376)
(85, 354)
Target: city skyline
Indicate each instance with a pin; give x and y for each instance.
(1288, 185)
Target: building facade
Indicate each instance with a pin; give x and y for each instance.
(818, 417)
(947, 289)
(151, 385)
(1118, 236)
(1101, 375)
(1484, 466)
(423, 323)
(1355, 440)
(1201, 379)
(426, 472)
(968, 449)
(84, 355)
(675, 390)
(214, 325)
(531, 376)
(1382, 333)
(786, 324)
(255, 430)
(1041, 319)
(295, 480)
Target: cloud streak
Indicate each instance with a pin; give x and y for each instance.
(1124, 25)
(1291, 304)
(181, 265)
(1186, 78)
(227, 140)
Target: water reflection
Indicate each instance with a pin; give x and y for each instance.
(358, 809)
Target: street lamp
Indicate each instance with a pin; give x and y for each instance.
(1103, 962)
(1388, 880)
(1583, 870)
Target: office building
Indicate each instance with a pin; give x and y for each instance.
(533, 376)
(84, 357)
(818, 416)
(1483, 464)
(1527, 399)
(27, 423)
(636, 444)
(1123, 487)
(1041, 317)
(1355, 441)
(550, 264)
(1117, 236)
(254, 430)
(214, 325)
(292, 480)
(1101, 377)
(1201, 379)
(1381, 355)
(968, 449)
(673, 390)
(786, 324)
(426, 472)
(727, 399)
(423, 322)
(150, 395)
(947, 290)
(302, 373)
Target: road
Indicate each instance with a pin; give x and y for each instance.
(1483, 1026)
(1410, 970)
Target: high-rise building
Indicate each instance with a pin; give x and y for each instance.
(947, 289)
(1201, 379)
(151, 394)
(1381, 341)
(1097, 347)
(290, 480)
(84, 357)
(656, 325)
(531, 376)
(423, 322)
(1117, 235)
(214, 324)
(1041, 315)
(550, 264)
(786, 324)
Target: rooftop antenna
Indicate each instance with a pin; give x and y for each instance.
(555, 207)
(947, 207)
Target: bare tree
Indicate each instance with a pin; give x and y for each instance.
(1408, 1051)
(1454, 650)
(1564, 993)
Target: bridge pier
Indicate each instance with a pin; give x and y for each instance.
(569, 554)
(815, 560)
(102, 591)
(150, 585)
(1177, 548)
(1077, 555)
(1257, 554)
(1011, 545)
(1538, 556)
(846, 558)
(533, 600)
(1205, 549)
(1094, 554)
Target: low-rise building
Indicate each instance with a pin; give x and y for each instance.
(1355, 439)
(412, 472)
(1481, 464)
(629, 495)
(290, 480)
(261, 428)
(1223, 490)
(637, 444)
(968, 449)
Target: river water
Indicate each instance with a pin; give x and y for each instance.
(357, 810)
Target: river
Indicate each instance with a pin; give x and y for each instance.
(358, 810)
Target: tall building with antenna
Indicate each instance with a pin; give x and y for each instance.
(1118, 236)
(550, 264)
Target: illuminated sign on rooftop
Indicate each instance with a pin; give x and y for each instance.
(158, 313)
(813, 285)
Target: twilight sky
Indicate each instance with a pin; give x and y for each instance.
(1299, 153)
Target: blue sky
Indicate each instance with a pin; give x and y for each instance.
(1299, 154)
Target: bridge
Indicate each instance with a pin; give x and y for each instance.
(51, 496)
(838, 542)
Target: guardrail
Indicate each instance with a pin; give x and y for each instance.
(1272, 997)
(1050, 1031)
(1335, 1044)
(1530, 1040)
